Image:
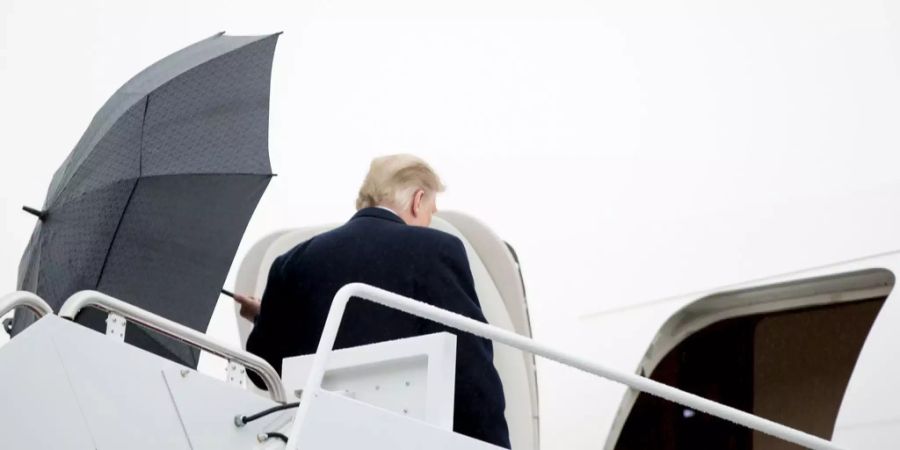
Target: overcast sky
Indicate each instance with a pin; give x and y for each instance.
(628, 150)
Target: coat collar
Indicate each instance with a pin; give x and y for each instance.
(378, 213)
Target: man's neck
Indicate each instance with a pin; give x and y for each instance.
(392, 212)
(388, 209)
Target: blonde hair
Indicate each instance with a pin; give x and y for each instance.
(394, 179)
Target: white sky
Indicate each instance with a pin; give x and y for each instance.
(629, 150)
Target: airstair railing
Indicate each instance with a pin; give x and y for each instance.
(120, 311)
(24, 299)
(456, 321)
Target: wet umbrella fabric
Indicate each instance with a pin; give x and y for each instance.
(152, 203)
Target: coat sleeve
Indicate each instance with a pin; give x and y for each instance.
(479, 403)
(263, 340)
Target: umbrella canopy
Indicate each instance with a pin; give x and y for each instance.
(152, 203)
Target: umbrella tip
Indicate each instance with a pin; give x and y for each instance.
(36, 212)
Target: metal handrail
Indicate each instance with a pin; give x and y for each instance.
(24, 299)
(456, 321)
(177, 331)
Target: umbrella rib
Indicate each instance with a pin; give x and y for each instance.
(130, 194)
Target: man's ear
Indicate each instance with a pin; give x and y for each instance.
(417, 202)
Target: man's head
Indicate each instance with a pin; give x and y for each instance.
(404, 183)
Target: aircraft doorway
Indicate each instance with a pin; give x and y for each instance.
(790, 366)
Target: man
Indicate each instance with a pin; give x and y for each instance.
(386, 244)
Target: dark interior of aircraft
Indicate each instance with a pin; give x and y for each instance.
(791, 367)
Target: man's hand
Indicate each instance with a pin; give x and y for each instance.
(249, 306)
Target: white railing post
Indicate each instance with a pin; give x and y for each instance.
(115, 326)
(235, 373)
(456, 321)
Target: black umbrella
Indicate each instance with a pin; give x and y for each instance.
(151, 204)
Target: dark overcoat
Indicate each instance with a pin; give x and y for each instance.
(376, 247)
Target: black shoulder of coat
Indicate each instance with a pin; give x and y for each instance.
(284, 261)
(440, 238)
